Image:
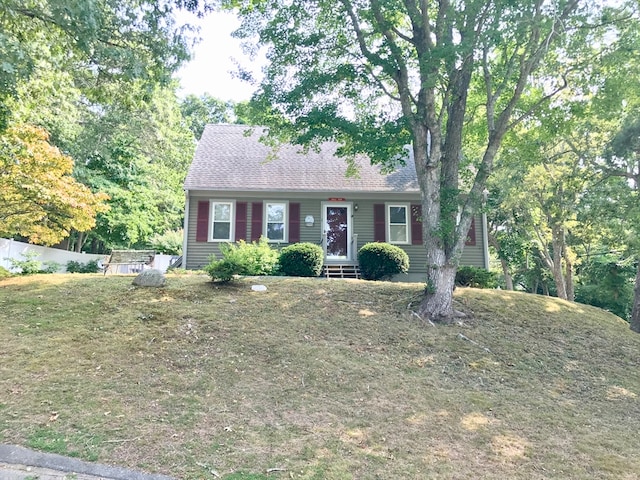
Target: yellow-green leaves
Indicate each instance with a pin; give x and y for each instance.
(39, 199)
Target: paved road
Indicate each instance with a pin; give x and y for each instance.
(18, 463)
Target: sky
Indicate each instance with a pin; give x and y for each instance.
(213, 57)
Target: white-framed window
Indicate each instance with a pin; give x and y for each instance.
(398, 223)
(275, 221)
(222, 220)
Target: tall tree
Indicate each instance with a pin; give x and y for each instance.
(623, 160)
(139, 155)
(39, 199)
(376, 76)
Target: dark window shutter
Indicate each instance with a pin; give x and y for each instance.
(416, 224)
(241, 221)
(202, 223)
(256, 221)
(379, 227)
(294, 222)
(471, 235)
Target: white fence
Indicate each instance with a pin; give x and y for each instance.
(11, 249)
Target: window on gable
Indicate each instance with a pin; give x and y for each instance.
(221, 221)
(398, 223)
(276, 221)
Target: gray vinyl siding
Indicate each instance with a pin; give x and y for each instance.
(198, 252)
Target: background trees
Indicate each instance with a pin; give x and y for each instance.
(97, 77)
(102, 44)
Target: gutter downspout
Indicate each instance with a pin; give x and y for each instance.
(185, 229)
(485, 241)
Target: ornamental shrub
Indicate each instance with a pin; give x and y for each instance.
(476, 277)
(77, 267)
(169, 242)
(380, 261)
(301, 260)
(242, 258)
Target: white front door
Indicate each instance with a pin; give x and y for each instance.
(336, 221)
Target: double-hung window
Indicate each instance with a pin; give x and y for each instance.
(275, 221)
(398, 222)
(222, 221)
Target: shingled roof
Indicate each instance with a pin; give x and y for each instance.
(232, 158)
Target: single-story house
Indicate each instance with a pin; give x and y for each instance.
(239, 188)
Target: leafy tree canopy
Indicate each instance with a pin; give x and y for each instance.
(39, 199)
(375, 76)
(105, 44)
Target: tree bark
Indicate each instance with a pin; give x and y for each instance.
(79, 242)
(568, 275)
(508, 279)
(635, 313)
(437, 302)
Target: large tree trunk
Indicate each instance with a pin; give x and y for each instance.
(635, 313)
(437, 303)
(80, 241)
(556, 267)
(568, 275)
(508, 279)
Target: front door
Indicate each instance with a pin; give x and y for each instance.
(337, 229)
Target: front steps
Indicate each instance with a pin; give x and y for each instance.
(341, 271)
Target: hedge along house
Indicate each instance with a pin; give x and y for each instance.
(237, 188)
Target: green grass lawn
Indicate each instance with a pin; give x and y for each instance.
(316, 379)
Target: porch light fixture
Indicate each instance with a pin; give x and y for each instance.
(309, 220)
(355, 207)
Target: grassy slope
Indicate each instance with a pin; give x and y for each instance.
(316, 379)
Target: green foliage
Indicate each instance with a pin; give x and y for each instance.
(4, 273)
(199, 111)
(242, 258)
(31, 266)
(138, 155)
(49, 266)
(105, 46)
(78, 267)
(99, 82)
(608, 284)
(382, 261)
(301, 260)
(169, 242)
(476, 277)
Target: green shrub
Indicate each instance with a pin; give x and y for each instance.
(301, 260)
(4, 273)
(476, 277)
(382, 261)
(77, 267)
(169, 242)
(50, 266)
(30, 265)
(242, 258)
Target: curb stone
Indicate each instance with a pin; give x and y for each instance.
(18, 463)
